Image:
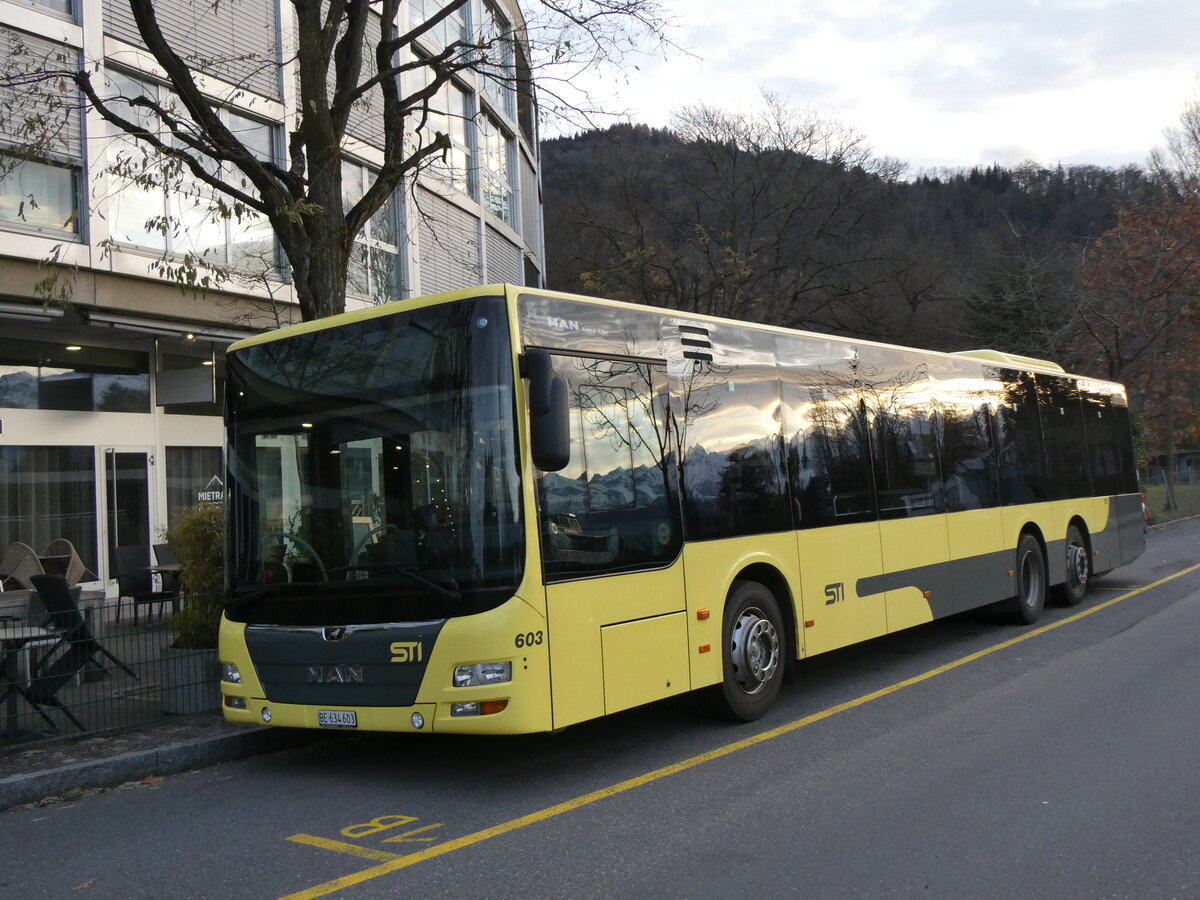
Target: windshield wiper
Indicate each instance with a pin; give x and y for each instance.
(447, 593)
(250, 596)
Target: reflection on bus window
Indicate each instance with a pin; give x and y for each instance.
(614, 507)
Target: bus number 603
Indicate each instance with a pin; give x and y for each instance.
(529, 639)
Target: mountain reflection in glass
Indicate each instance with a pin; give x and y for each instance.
(614, 507)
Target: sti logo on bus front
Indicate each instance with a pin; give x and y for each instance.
(406, 651)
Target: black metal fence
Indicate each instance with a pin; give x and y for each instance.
(110, 668)
(1171, 495)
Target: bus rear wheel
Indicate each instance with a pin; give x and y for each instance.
(1030, 574)
(753, 646)
(1079, 569)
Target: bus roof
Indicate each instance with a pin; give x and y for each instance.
(997, 357)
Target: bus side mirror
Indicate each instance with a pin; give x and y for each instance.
(549, 416)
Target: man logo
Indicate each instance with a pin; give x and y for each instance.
(333, 634)
(334, 675)
(406, 651)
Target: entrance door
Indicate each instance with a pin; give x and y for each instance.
(126, 501)
(610, 545)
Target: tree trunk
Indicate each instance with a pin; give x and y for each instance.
(322, 290)
(1170, 475)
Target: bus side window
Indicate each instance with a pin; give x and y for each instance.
(828, 444)
(614, 506)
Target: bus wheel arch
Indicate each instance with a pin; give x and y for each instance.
(754, 649)
(1078, 561)
(1030, 576)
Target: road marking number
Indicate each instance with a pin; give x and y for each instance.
(368, 829)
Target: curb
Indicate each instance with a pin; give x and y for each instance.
(169, 759)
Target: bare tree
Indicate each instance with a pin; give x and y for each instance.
(350, 60)
(770, 214)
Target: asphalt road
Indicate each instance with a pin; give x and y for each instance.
(967, 758)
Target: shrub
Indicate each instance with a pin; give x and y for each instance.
(197, 540)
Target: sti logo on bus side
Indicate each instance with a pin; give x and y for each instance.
(406, 651)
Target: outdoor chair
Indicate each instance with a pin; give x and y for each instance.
(74, 569)
(20, 563)
(64, 615)
(77, 647)
(135, 581)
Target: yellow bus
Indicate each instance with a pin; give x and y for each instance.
(507, 510)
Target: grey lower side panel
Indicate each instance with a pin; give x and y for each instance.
(975, 581)
(954, 586)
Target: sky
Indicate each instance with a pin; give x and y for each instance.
(938, 83)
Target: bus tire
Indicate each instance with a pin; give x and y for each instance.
(753, 647)
(1030, 573)
(1071, 592)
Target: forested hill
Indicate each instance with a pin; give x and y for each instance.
(820, 235)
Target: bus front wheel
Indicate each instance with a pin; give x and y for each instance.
(753, 646)
(1030, 575)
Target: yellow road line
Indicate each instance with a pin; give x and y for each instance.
(403, 862)
(342, 847)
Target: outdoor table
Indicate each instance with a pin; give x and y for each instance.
(14, 638)
(14, 604)
(168, 575)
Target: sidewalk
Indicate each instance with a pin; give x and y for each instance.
(66, 769)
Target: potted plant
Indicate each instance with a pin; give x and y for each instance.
(190, 680)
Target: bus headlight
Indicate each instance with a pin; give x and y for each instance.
(482, 673)
(230, 673)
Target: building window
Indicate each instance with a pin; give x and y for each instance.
(450, 29)
(48, 493)
(496, 170)
(65, 8)
(40, 375)
(449, 112)
(376, 264)
(500, 72)
(39, 195)
(176, 212)
(41, 139)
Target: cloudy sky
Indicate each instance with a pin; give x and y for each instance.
(941, 82)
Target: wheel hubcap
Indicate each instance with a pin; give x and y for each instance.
(754, 650)
(1077, 565)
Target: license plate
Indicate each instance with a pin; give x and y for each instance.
(337, 718)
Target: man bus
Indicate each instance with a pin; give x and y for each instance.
(509, 510)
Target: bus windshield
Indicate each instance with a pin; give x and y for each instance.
(373, 473)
